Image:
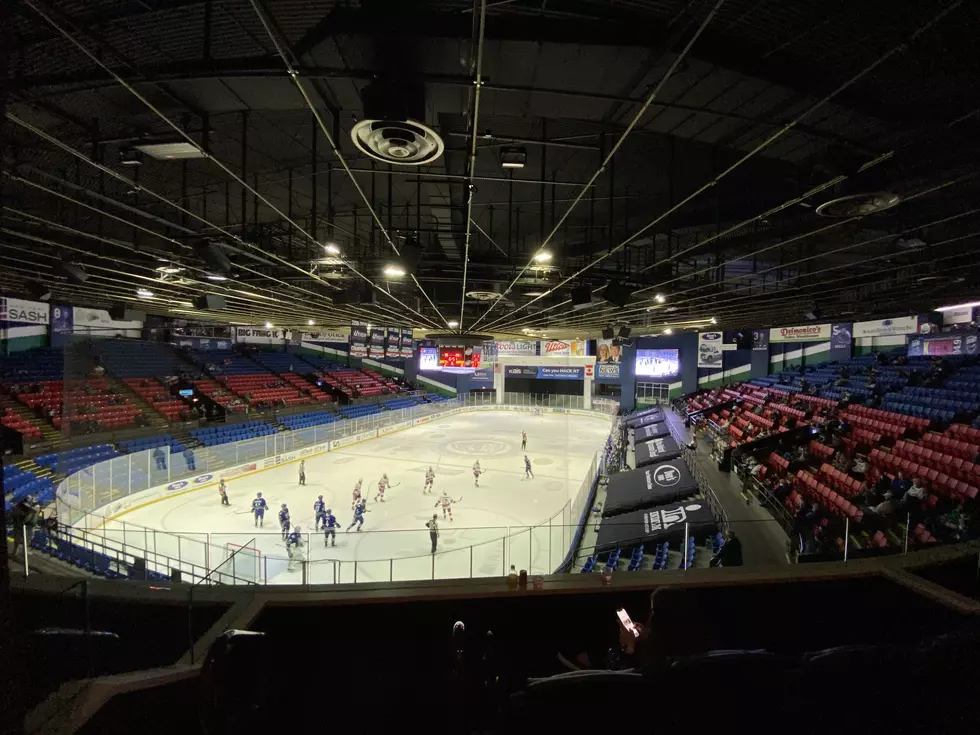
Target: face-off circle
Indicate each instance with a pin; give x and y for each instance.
(478, 447)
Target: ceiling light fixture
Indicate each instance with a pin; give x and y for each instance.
(969, 304)
(452, 324)
(268, 325)
(513, 156)
(668, 330)
(660, 298)
(394, 271)
(542, 257)
(216, 277)
(713, 320)
(309, 322)
(144, 294)
(169, 269)
(331, 248)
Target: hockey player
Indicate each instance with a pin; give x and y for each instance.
(259, 507)
(284, 520)
(383, 483)
(223, 491)
(430, 476)
(320, 511)
(357, 492)
(296, 548)
(302, 472)
(477, 471)
(447, 505)
(330, 526)
(523, 440)
(527, 468)
(360, 508)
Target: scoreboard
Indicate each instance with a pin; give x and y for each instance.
(459, 357)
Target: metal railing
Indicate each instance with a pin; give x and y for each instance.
(88, 500)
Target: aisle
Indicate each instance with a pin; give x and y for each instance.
(763, 539)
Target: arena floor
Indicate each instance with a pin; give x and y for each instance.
(394, 543)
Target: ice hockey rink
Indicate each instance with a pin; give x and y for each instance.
(506, 520)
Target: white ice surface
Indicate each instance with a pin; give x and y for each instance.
(394, 543)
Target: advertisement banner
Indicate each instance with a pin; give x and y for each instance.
(406, 343)
(18, 311)
(709, 349)
(255, 336)
(482, 375)
(606, 351)
(98, 323)
(376, 347)
(608, 371)
(327, 336)
(964, 343)
(517, 348)
(840, 337)
(358, 339)
(521, 372)
(961, 315)
(805, 333)
(566, 348)
(760, 339)
(561, 373)
(886, 327)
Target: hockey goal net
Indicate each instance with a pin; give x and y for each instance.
(537, 412)
(239, 564)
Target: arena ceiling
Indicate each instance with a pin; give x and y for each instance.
(676, 156)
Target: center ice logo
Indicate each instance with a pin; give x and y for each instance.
(478, 447)
(667, 476)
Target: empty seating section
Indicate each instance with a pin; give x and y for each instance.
(45, 363)
(951, 445)
(19, 424)
(264, 388)
(359, 412)
(140, 445)
(91, 404)
(220, 395)
(393, 404)
(132, 358)
(19, 483)
(358, 383)
(817, 492)
(232, 433)
(73, 460)
(238, 379)
(157, 395)
(306, 420)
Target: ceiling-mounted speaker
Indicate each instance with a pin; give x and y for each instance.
(624, 332)
(38, 290)
(214, 256)
(617, 294)
(411, 253)
(813, 314)
(355, 295)
(607, 333)
(72, 271)
(581, 297)
(122, 313)
(209, 302)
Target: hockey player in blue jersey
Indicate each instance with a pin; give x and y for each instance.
(259, 507)
(527, 469)
(359, 510)
(320, 511)
(296, 548)
(330, 526)
(284, 520)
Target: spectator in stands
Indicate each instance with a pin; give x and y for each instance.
(916, 491)
(729, 555)
(859, 467)
(900, 485)
(25, 515)
(886, 507)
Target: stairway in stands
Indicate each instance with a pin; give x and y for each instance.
(48, 432)
(29, 465)
(183, 435)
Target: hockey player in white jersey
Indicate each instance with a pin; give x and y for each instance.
(477, 471)
(357, 492)
(430, 477)
(319, 512)
(259, 507)
(296, 548)
(447, 505)
(383, 484)
(284, 520)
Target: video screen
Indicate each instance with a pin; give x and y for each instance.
(657, 363)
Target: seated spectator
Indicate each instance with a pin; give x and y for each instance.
(888, 506)
(730, 555)
(859, 467)
(916, 491)
(900, 485)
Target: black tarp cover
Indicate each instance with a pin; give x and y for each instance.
(651, 431)
(653, 414)
(656, 450)
(667, 482)
(656, 525)
(647, 420)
